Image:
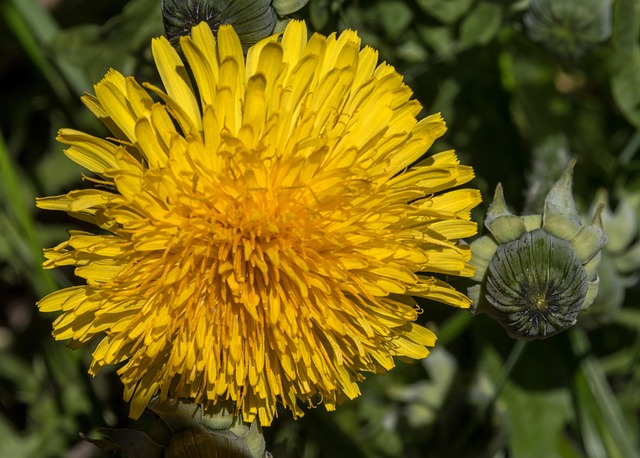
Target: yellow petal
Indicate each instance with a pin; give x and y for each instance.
(176, 80)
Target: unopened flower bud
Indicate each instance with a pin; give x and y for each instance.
(537, 272)
(184, 430)
(568, 28)
(198, 433)
(252, 20)
(536, 284)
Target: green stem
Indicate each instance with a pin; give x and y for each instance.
(483, 410)
(453, 327)
(507, 369)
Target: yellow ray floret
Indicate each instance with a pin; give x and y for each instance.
(264, 225)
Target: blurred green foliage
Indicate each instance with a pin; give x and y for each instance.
(518, 106)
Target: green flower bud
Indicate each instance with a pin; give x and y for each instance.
(568, 28)
(536, 284)
(200, 441)
(220, 433)
(537, 272)
(184, 430)
(253, 20)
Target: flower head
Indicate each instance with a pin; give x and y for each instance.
(261, 236)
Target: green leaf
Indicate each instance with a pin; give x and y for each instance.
(95, 49)
(412, 51)
(19, 212)
(12, 443)
(43, 28)
(319, 13)
(47, 428)
(425, 398)
(629, 317)
(588, 418)
(440, 39)
(448, 11)
(481, 25)
(55, 172)
(538, 420)
(43, 25)
(603, 425)
(140, 20)
(82, 46)
(395, 16)
(625, 78)
(23, 31)
(14, 248)
(64, 366)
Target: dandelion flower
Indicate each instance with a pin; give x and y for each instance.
(262, 235)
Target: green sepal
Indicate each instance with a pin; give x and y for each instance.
(191, 419)
(560, 217)
(590, 239)
(532, 222)
(483, 250)
(474, 294)
(479, 304)
(251, 436)
(284, 7)
(592, 265)
(592, 293)
(503, 225)
(200, 441)
(179, 415)
(281, 24)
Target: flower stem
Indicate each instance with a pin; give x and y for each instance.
(453, 327)
(483, 410)
(509, 365)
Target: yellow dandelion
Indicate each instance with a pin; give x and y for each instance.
(262, 235)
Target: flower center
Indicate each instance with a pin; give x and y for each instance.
(541, 302)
